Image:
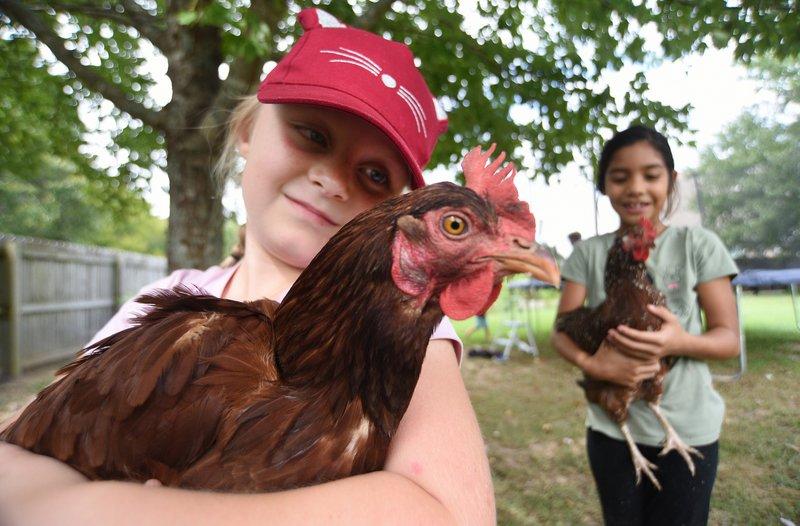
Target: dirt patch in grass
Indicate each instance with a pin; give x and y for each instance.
(16, 394)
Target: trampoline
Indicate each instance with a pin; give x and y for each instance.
(757, 279)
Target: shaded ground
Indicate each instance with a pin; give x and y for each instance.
(532, 417)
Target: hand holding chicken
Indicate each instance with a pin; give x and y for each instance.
(650, 344)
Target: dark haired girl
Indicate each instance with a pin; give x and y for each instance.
(693, 269)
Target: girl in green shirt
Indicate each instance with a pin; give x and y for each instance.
(691, 266)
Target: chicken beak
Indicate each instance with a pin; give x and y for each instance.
(536, 261)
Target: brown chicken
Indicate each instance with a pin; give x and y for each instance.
(211, 393)
(629, 289)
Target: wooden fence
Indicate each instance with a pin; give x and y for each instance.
(55, 296)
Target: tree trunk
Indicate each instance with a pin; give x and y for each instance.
(194, 235)
(194, 238)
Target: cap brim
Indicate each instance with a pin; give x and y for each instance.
(340, 100)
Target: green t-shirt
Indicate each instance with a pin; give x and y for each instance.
(682, 258)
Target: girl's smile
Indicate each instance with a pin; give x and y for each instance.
(637, 208)
(313, 213)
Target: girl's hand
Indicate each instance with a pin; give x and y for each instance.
(649, 345)
(609, 364)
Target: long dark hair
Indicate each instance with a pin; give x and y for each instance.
(633, 135)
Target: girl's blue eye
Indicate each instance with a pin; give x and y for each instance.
(313, 135)
(375, 176)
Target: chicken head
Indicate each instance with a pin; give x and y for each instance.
(461, 246)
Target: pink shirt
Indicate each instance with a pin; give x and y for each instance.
(213, 281)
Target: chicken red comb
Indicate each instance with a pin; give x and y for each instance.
(648, 230)
(487, 179)
(641, 239)
(496, 184)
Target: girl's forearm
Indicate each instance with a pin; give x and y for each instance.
(721, 340)
(718, 343)
(376, 498)
(569, 350)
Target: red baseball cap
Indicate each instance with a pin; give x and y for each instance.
(349, 69)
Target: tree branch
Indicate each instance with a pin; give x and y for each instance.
(85, 9)
(375, 14)
(87, 75)
(148, 26)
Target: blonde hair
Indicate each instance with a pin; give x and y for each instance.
(241, 120)
(228, 166)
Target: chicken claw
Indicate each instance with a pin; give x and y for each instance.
(640, 463)
(673, 441)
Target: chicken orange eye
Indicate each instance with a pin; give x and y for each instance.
(454, 225)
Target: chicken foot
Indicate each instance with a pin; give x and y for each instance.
(673, 441)
(639, 462)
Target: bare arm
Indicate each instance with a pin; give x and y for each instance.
(607, 363)
(719, 342)
(436, 473)
(572, 297)
(721, 339)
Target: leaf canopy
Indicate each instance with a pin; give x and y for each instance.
(527, 75)
(750, 179)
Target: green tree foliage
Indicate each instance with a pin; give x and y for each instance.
(750, 179)
(525, 74)
(48, 188)
(59, 203)
(37, 120)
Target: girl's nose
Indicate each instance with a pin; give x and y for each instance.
(331, 179)
(636, 185)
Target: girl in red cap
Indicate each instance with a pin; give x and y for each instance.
(343, 122)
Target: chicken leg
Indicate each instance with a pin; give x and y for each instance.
(639, 462)
(673, 441)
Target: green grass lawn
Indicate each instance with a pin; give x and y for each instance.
(531, 413)
(532, 416)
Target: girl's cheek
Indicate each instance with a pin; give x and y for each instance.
(355, 212)
(293, 143)
(365, 201)
(288, 142)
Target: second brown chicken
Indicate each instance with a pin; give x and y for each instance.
(629, 289)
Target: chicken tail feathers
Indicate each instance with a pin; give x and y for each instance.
(583, 326)
(185, 298)
(150, 393)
